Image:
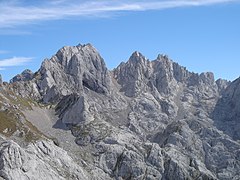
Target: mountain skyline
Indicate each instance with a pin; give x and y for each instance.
(113, 90)
(200, 35)
(75, 119)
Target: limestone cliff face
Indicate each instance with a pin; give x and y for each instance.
(143, 120)
(26, 75)
(227, 111)
(42, 160)
(72, 69)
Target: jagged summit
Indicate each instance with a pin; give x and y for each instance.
(137, 56)
(227, 111)
(68, 52)
(26, 75)
(162, 56)
(85, 45)
(72, 69)
(143, 120)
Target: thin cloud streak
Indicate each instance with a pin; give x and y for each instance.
(14, 14)
(180, 3)
(3, 52)
(15, 61)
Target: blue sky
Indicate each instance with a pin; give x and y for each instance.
(202, 35)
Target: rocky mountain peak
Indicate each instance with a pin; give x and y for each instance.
(222, 85)
(72, 69)
(227, 111)
(207, 77)
(27, 71)
(162, 73)
(86, 45)
(162, 57)
(26, 75)
(143, 120)
(164, 62)
(137, 56)
(65, 54)
(138, 61)
(132, 74)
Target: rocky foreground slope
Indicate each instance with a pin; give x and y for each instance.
(75, 119)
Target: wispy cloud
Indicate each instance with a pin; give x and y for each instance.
(14, 12)
(15, 61)
(3, 52)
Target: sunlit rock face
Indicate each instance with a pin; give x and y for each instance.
(145, 119)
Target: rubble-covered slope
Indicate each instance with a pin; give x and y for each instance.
(143, 120)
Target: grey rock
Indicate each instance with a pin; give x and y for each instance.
(41, 160)
(71, 70)
(226, 113)
(143, 120)
(133, 74)
(222, 85)
(78, 113)
(26, 75)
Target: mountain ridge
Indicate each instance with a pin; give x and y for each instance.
(142, 120)
(90, 45)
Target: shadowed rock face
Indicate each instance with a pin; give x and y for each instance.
(143, 120)
(72, 69)
(227, 111)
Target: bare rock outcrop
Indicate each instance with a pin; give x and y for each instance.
(143, 120)
(26, 75)
(227, 111)
(41, 160)
(71, 70)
